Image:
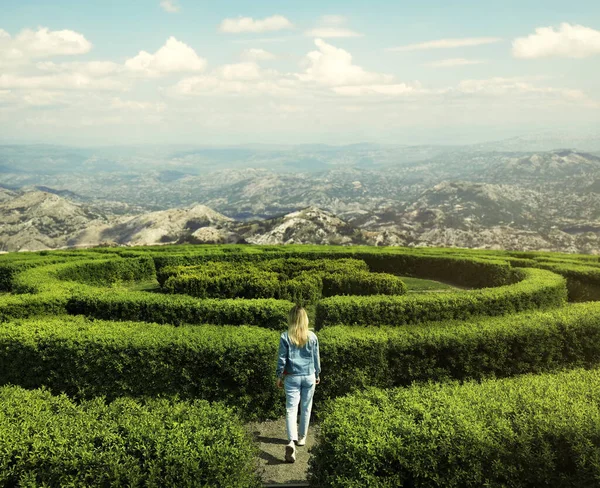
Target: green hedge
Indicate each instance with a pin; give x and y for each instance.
(444, 265)
(297, 280)
(362, 283)
(98, 272)
(537, 289)
(21, 306)
(236, 364)
(109, 272)
(85, 358)
(583, 281)
(483, 347)
(207, 282)
(48, 440)
(44, 290)
(470, 272)
(9, 269)
(139, 306)
(177, 309)
(528, 431)
(293, 266)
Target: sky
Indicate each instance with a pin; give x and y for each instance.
(109, 72)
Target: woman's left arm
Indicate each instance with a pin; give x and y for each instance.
(281, 357)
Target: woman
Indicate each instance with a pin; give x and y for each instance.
(300, 364)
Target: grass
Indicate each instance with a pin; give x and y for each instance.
(415, 285)
(419, 285)
(151, 286)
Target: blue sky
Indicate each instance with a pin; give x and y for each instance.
(182, 71)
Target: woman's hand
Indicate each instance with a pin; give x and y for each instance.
(279, 383)
(317, 381)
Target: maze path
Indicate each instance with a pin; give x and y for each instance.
(56, 288)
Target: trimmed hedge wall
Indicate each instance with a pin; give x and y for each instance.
(10, 269)
(49, 441)
(538, 289)
(237, 364)
(42, 291)
(483, 347)
(583, 281)
(86, 358)
(528, 431)
(22, 306)
(362, 283)
(451, 266)
(109, 272)
(178, 309)
(297, 280)
(65, 277)
(469, 272)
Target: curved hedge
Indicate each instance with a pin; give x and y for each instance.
(583, 281)
(84, 358)
(538, 289)
(178, 309)
(294, 279)
(50, 441)
(533, 430)
(61, 288)
(68, 276)
(235, 364)
(479, 348)
(473, 271)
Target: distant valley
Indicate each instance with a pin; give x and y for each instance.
(464, 196)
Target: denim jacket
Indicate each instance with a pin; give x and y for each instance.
(299, 360)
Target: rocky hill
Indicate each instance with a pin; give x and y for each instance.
(40, 220)
(166, 226)
(467, 196)
(310, 225)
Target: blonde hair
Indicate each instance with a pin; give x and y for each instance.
(298, 326)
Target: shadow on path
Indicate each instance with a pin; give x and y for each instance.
(271, 439)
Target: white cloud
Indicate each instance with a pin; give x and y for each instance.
(246, 78)
(452, 62)
(213, 84)
(333, 66)
(60, 81)
(263, 40)
(174, 56)
(447, 43)
(517, 86)
(255, 54)
(42, 98)
(171, 6)
(330, 32)
(240, 71)
(331, 26)
(248, 24)
(333, 19)
(569, 41)
(119, 104)
(29, 44)
(397, 89)
(91, 68)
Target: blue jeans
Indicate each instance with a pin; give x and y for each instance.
(299, 389)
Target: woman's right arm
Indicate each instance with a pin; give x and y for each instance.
(317, 359)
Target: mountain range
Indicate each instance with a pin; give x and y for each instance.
(465, 196)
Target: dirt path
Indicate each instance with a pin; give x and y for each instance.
(271, 439)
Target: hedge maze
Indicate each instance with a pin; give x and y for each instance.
(105, 382)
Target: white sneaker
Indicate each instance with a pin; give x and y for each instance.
(290, 452)
(301, 441)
